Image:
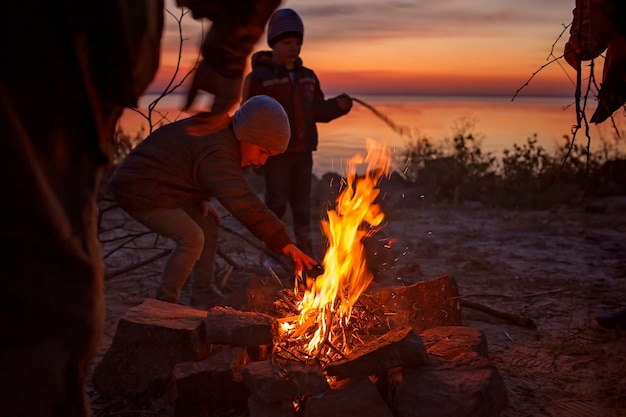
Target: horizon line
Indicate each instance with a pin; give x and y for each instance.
(512, 96)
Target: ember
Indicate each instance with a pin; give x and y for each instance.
(327, 304)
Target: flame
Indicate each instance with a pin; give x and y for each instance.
(332, 295)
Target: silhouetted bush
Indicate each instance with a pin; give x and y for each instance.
(526, 177)
(123, 143)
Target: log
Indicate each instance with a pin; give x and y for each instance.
(422, 305)
(520, 321)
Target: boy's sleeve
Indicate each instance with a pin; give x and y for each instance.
(324, 109)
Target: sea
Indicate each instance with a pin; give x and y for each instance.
(497, 124)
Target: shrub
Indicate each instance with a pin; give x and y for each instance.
(415, 154)
(528, 176)
(123, 143)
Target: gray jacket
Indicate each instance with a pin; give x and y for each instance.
(171, 169)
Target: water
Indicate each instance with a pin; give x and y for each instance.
(498, 122)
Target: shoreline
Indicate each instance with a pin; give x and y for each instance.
(495, 122)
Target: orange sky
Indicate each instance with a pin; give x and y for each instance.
(484, 48)
(456, 47)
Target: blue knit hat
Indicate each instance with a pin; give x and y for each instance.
(284, 23)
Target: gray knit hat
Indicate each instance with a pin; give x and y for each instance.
(261, 120)
(284, 23)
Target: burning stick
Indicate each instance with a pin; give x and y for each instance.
(304, 326)
(401, 130)
(335, 348)
(287, 352)
(285, 301)
(275, 277)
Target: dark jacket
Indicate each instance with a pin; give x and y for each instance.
(171, 169)
(302, 98)
(600, 25)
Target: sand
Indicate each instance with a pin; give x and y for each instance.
(558, 268)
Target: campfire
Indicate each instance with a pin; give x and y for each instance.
(329, 346)
(325, 308)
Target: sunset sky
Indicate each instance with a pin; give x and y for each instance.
(450, 47)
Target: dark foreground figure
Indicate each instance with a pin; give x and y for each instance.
(600, 26)
(68, 69)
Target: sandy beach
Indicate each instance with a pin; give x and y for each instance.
(559, 268)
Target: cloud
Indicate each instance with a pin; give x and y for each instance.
(367, 19)
(458, 39)
(359, 20)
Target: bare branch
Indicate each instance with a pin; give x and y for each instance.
(551, 54)
(551, 58)
(527, 83)
(174, 83)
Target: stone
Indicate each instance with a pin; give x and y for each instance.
(149, 341)
(355, 398)
(260, 408)
(399, 347)
(460, 383)
(446, 342)
(209, 387)
(227, 326)
(468, 387)
(274, 381)
(422, 305)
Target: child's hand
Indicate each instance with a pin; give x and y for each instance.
(344, 101)
(301, 260)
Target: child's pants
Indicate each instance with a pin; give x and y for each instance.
(194, 253)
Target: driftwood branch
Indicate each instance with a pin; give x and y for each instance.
(512, 318)
(134, 266)
(160, 255)
(258, 246)
(499, 295)
(227, 258)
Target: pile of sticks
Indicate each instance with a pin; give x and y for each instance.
(341, 337)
